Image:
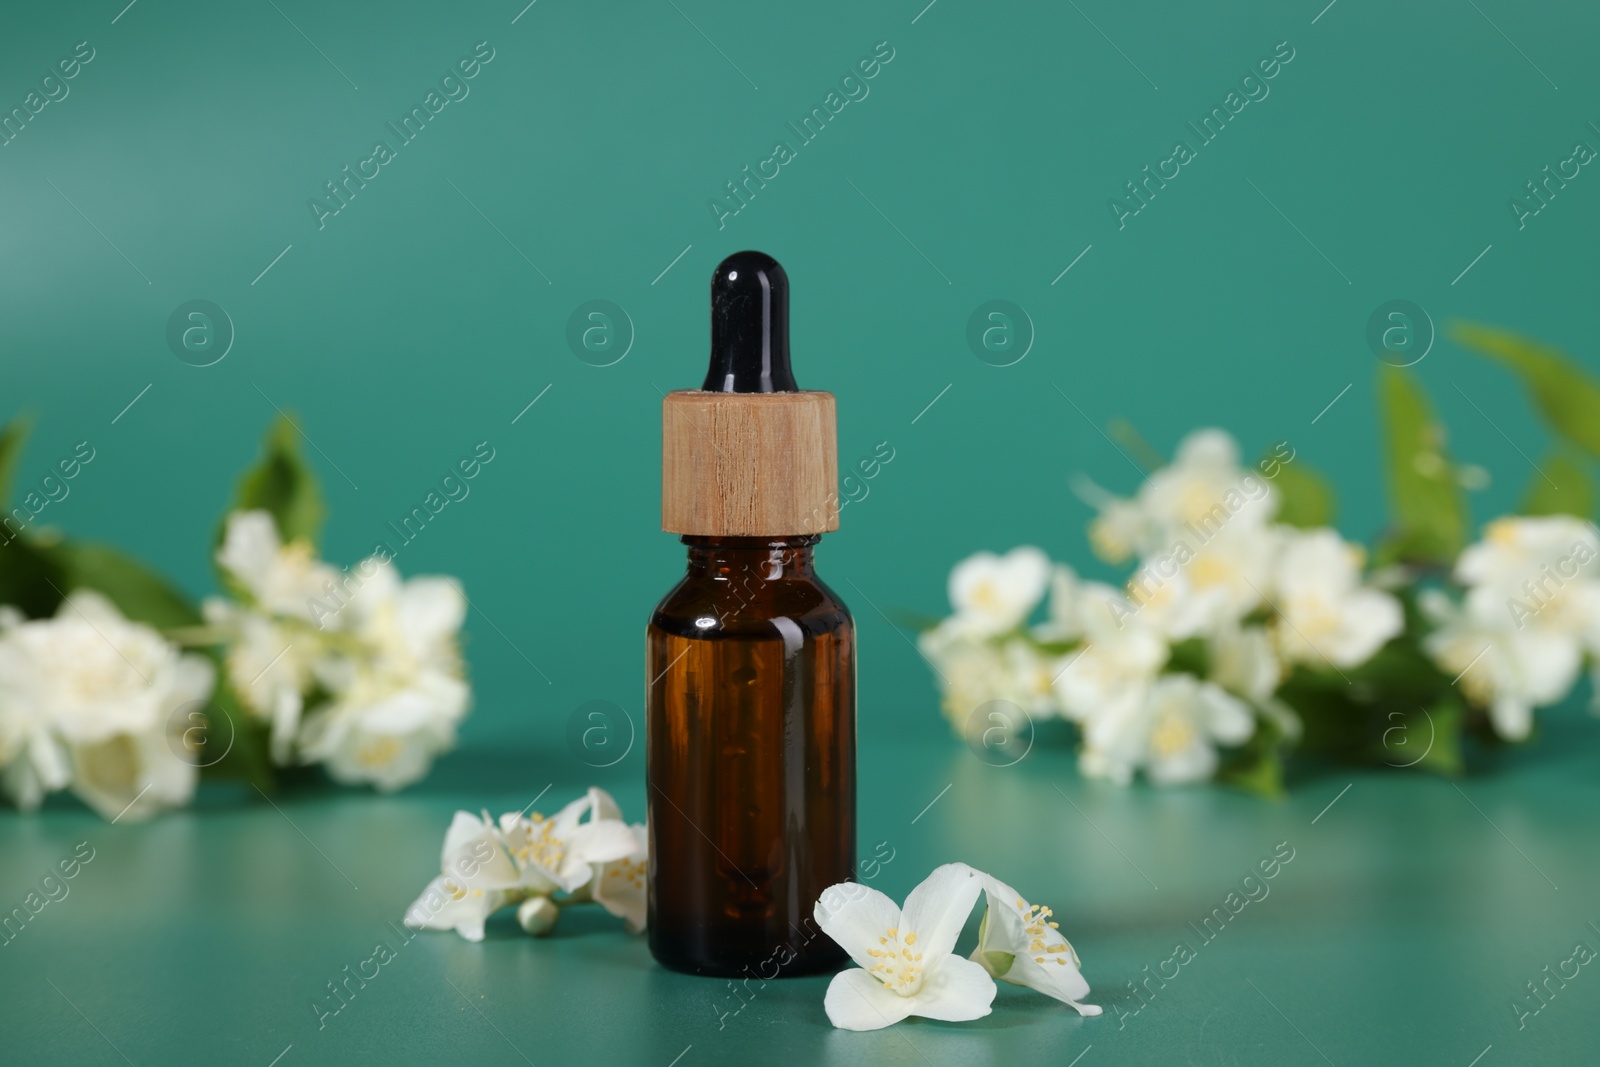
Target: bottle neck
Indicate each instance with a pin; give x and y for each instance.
(769, 558)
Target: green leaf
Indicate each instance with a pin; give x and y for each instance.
(1400, 671)
(31, 580)
(1259, 772)
(1445, 756)
(283, 484)
(1333, 726)
(1561, 486)
(1257, 766)
(243, 736)
(1305, 497)
(1190, 656)
(1424, 493)
(12, 440)
(1428, 739)
(138, 592)
(1568, 398)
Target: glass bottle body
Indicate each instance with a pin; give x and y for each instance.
(750, 754)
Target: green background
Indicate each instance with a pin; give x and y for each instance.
(415, 324)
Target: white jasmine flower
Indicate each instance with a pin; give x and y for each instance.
(280, 579)
(1327, 615)
(906, 961)
(1518, 547)
(385, 735)
(1193, 586)
(96, 674)
(1508, 671)
(477, 879)
(94, 690)
(620, 885)
(1030, 677)
(1201, 492)
(486, 865)
(994, 595)
(1122, 529)
(1119, 660)
(1018, 943)
(972, 670)
(383, 652)
(1537, 574)
(398, 697)
(1532, 607)
(270, 668)
(1204, 475)
(561, 853)
(33, 763)
(1244, 663)
(1062, 622)
(976, 670)
(1170, 733)
(135, 775)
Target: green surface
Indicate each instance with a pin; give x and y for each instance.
(1401, 931)
(429, 312)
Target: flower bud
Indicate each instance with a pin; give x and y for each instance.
(537, 915)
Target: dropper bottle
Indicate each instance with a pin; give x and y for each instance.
(750, 661)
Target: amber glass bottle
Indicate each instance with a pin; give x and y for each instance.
(750, 664)
(751, 759)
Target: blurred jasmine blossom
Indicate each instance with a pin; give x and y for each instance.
(299, 663)
(1250, 627)
(373, 690)
(85, 697)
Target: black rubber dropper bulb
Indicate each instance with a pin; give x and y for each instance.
(749, 327)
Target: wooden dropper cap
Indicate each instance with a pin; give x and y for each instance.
(749, 453)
